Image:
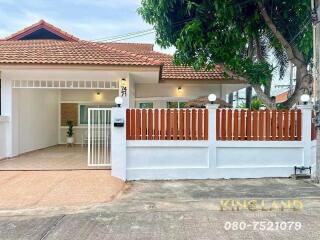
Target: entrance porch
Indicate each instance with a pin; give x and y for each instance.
(57, 157)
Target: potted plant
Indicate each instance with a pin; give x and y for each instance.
(70, 132)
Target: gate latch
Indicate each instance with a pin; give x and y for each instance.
(118, 122)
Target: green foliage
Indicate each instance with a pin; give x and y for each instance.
(210, 32)
(70, 128)
(256, 104)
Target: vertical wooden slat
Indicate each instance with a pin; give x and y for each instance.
(280, 126)
(188, 124)
(218, 124)
(229, 127)
(181, 124)
(236, 125)
(268, 124)
(144, 125)
(133, 124)
(206, 124)
(168, 133)
(299, 127)
(255, 125)
(194, 126)
(292, 124)
(223, 124)
(138, 124)
(156, 124)
(274, 125)
(128, 132)
(162, 124)
(150, 124)
(261, 125)
(175, 124)
(200, 124)
(286, 125)
(249, 122)
(242, 125)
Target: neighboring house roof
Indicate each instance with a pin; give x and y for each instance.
(33, 31)
(203, 101)
(25, 47)
(282, 97)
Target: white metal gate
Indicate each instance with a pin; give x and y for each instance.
(99, 136)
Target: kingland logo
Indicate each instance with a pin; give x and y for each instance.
(260, 205)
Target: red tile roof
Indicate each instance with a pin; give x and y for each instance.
(63, 52)
(75, 51)
(42, 24)
(169, 70)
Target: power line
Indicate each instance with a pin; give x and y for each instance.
(140, 35)
(123, 35)
(136, 34)
(302, 30)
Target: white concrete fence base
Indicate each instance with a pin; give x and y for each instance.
(209, 159)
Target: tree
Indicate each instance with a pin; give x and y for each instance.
(240, 35)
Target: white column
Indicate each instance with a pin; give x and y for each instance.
(7, 109)
(124, 83)
(212, 111)
(118, 144)
(306, 111)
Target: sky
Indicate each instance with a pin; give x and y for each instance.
(86, 19)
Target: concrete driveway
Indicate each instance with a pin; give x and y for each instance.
(178, 210)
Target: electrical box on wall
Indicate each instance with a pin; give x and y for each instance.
(119, 122)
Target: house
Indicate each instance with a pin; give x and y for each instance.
(49, 76)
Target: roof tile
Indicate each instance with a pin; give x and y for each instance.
(63, 52)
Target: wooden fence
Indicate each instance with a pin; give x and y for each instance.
(263, 125)
(314, 129)
(167, 124)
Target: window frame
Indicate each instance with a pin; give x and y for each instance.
(93, 105)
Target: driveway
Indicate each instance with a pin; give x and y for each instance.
(179, 210)
(52, 189)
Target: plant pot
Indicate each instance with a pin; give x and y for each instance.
(70, 140)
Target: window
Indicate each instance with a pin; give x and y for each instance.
(176, 104)
(83, 113)
(146, 105)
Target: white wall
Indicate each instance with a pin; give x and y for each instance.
(161, 93)
(72, 95)
(35, 119)
(196, 160)
(4, 131)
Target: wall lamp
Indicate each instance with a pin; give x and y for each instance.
(118, 100)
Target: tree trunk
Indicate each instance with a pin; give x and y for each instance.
(230, 98)
(248, 97)
(263, 97)
(304, 79)
(303, 85)
(267, 89)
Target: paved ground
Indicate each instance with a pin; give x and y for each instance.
(177, 210)
(33, 189)
(53, 158)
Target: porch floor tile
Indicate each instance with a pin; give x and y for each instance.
(53, 158)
